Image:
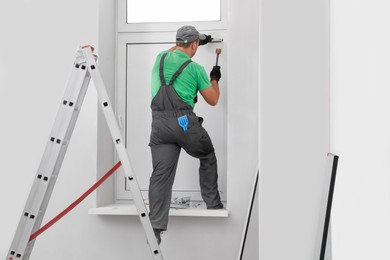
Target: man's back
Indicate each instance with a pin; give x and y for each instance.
(192, 79)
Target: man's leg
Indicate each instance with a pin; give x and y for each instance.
(208, 180)
(199, 145)
(165, 158)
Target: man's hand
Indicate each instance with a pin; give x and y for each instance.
(205, 41)
(215, 73)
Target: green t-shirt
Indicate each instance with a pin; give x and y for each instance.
(192, 78)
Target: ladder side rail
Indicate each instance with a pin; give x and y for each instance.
(61, 156)
(33, 193)
(122, 152)
(69, 126)
(58, 137)
(50, 152)
(44, 181)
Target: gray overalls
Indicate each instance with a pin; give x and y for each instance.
(166, 140)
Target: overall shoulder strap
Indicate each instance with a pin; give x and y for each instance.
(177, 73)
(162, 79)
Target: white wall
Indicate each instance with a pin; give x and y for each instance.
(360, 128)
(39, 39)
(38, 42)
(294, 127)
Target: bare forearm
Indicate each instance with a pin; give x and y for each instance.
(215, 86)
(211, 94)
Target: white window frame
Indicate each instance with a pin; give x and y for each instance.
(143, 33)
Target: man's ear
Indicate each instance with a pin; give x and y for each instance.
(193, 45)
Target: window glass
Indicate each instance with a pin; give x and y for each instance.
(152, 11)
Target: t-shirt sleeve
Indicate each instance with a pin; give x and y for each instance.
(203, 78)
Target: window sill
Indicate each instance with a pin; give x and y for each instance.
(130, 210)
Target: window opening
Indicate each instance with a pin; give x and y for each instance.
(156, 11)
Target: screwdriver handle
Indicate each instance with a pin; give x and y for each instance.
(218, 51)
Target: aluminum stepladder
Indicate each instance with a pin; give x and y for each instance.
(85, 67)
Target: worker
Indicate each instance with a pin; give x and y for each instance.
(176, 80)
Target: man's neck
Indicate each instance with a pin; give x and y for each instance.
(185, 50)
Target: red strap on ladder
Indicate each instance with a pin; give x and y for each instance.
(75, 203)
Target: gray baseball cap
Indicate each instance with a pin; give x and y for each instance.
(188, 34)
